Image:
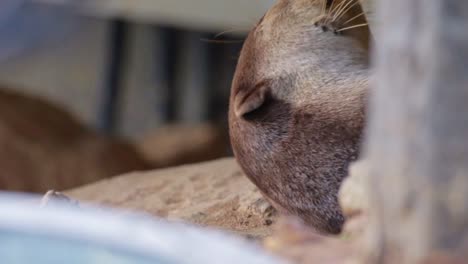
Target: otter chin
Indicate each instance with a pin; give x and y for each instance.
(297, 105)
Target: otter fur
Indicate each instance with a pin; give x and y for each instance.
(297, 105)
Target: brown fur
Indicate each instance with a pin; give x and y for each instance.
(44, 147)
(297, 107)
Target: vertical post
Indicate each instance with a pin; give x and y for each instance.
(113, 74)
(165, 68)
(418, 144)
(194, 76)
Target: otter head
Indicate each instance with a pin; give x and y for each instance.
(297, 105)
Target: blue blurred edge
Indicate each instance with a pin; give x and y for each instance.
(86, 234)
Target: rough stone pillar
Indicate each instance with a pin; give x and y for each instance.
(418, 133)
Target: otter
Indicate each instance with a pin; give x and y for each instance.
(297, 105)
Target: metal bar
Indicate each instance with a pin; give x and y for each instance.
(165, 68)
(113, 74)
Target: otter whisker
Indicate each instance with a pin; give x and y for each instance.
(324, 7)
(334, 9)
(344, 5)
(337, 7)
(344, 11)
(351, 27)
(328, 4)
(227, 32)
(340, 5)
(319, 18)
(217, 41)
(353, 18)
(338, 13)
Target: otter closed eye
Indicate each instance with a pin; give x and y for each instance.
(295, 134)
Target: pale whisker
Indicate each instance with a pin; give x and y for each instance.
(351, 27)
(337, 7)
(324, 7)
(343, 5)
(353, 18)
(345, 11)
(331, 10)
(217, 41)
(227, 32)
(340, 5)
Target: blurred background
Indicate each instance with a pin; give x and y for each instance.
(94, 88)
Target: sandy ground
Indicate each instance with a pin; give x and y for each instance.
(215, 194)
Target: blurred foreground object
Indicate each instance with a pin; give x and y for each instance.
(297, 242)
(418, 134)
(369, 9)
(43, 147)
(63, 234)
(353, 195)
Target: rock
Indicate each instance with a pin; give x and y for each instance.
(300, 244)
(355, 227)
(52, 198)
(43, 147)
(175, 145)
(353, 196)
(215, 194)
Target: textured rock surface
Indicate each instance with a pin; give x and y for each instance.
(213, 194)
(217, 194)
(353, 195)
(299, 244)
